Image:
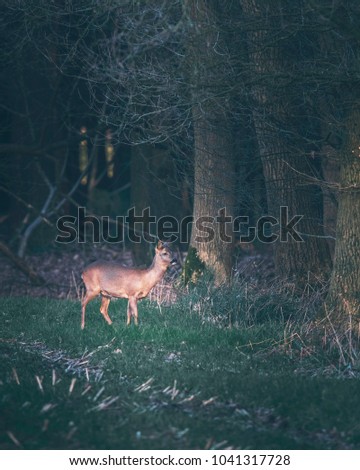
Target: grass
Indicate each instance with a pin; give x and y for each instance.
(182, 380)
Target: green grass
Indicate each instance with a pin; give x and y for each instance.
(178, 381)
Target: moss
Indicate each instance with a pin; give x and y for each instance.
(193, 267)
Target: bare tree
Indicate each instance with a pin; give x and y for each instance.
(341, 46)
(214, 161)
(279, 115)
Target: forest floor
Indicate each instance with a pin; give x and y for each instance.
(181, 380)
(207, 368)
(61, 269)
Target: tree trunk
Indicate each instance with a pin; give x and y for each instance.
(331, 174)
(213, 192)
(288, 172)
(214, 168)
(344, 294)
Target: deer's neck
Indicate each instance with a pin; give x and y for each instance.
(156, 271)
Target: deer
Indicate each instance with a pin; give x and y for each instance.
(110, 279)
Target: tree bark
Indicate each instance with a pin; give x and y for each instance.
(287, 169)
(213, 191)
(343, 298)
(214, 168)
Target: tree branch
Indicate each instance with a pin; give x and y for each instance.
(21, 265)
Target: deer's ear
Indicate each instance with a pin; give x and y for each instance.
(160, 245)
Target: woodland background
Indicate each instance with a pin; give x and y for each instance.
(186, 107)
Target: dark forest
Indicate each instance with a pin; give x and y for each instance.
(224, 137)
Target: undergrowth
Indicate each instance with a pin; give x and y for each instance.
(232, 367)
(298, 321)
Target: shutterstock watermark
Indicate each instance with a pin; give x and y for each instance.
(144, 226)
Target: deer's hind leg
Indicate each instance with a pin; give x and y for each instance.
(104, 308)
(88, 296)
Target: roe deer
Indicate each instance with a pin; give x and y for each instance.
(113, 280)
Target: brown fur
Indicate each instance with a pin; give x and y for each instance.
(113, 280)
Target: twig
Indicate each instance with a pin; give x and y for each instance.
(16, 377)
(13, 438)
(39, 382)
(22, 265)
(72, 385)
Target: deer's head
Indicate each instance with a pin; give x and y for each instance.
(165, 253)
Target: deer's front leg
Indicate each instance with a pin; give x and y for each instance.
(132, 307)
(128, 313)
